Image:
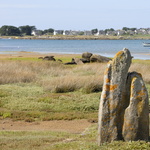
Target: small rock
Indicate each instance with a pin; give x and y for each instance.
(86, 55)
(50, 58)
(99, 58)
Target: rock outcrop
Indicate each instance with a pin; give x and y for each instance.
(99, 58)
(86, 58)
(86, 55)
(123, 103)
(50, 58)
(78, 61)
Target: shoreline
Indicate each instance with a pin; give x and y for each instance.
(81, 37)
(26, 54)
(18, 51)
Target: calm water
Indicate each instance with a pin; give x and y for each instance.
(102, 47)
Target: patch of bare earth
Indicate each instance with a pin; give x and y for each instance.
(73, 126)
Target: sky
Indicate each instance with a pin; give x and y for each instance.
(75, 14)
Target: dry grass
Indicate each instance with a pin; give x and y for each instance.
(68, 79)
(26, 94)
(56, 77)
(13, 72)
(53, 76)
(143, 69)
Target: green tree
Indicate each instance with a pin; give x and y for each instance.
(26, 30)
(3, 30)
(81, 33)
(125, 28)
(47, 31)
(9, 31)
(133, 29)
(111, 29)
(94, 31)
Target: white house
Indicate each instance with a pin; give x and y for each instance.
(36, 32)
(87, 32)
(57, 32)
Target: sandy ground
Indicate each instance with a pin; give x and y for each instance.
(73, 126)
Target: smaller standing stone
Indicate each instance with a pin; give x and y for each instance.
(136, 117)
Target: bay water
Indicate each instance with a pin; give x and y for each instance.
(102, 47)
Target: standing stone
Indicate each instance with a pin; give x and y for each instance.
(112, 98)
(123, 110)
(136, 117)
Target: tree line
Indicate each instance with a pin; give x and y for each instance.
(26, 30)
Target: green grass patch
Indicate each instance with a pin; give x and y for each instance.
(27, 101)
(64, 59)
(24, 59)
(46, 140)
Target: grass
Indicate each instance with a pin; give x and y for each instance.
(33, 90)
(37, 140)
(24, 99)
(51, 90)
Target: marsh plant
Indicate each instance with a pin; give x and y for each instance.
(56, 77)
(33, 90)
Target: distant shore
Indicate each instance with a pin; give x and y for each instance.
(24, 54)
(81, 37)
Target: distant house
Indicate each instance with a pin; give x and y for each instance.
(70, 32)
(120, 32)
(58, 32)
(141, 31)
(66, 32)
(130, 32)
(101, 32)
(87, 32)
(74, 33)
(96, 34)
(111, 33)
(148, 31)
(36, 32)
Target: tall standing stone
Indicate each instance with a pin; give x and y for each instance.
(112, 98)
(123, 110)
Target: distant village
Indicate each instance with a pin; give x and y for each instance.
(96, 32)
(8, 30)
